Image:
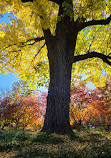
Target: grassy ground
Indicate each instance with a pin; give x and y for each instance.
(32, 144)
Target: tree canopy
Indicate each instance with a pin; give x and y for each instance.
(23, 46)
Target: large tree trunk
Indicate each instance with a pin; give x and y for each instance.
(60, 54)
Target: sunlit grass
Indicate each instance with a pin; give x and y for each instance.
(32, 144)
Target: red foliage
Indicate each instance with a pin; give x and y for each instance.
(86, 105)
(23, 111)
(92, 106)
(101, 107)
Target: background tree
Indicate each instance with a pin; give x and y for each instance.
(20, 88)
(89, 106)
(22, 111)
(69, 31)
(81, 96)
(99, 109)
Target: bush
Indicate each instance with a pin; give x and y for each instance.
(89, 128)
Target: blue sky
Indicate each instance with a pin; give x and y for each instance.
(5, 18)
(6, 81)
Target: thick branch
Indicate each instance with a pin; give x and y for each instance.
(95, 22)
(48, 36)
(91, 55)
(47, 33)
(37, 39)
(55, 1)
(26, 1)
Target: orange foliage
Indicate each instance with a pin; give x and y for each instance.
(92, 106)
(86, 105)
(23, 111)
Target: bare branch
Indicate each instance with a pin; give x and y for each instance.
(109, 54)
(95, 22)
(30, 44)
(38, 52)
(10, 45)
(91, 55)
(37, 39)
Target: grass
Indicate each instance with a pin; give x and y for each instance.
(32, 144)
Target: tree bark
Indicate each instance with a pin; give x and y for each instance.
(60, 54)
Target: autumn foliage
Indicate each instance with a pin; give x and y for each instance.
(90, 106)
(86, 106)
(23, 111)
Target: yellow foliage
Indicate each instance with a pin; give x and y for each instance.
(2, 34)
(28, 23)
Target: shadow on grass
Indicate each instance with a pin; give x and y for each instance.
(95, 137)
(12, 139)
(101, 151)
(98, 146)
(44, 138)
(72, 136)
(35, 153)
(91, 145)
(90, 138)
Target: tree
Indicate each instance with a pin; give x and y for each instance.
(22, 111)
(90, 105)
(100, 107)
(69, 31)
(21, 88)
(81, 96)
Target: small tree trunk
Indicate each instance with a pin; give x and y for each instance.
(60, 54)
